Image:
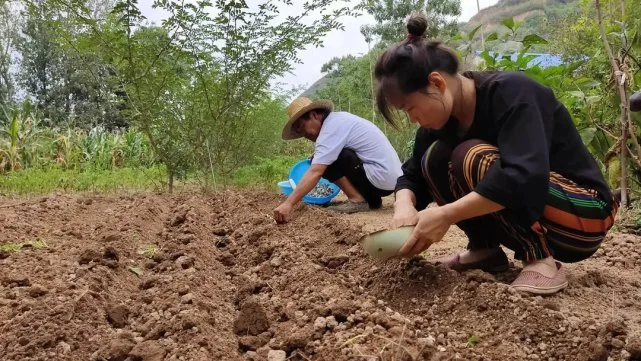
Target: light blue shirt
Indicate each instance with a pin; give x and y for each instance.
(345, 130)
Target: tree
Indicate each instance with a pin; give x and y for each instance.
(622, 72)
(7, 46)
(196, 84)
(43, 71)
(391, 15)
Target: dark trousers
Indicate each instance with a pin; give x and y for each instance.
(350, 166)
(572, 227)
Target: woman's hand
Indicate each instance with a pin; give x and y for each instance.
(404, 215)
(432, 225)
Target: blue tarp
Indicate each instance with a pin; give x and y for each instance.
(542, 59)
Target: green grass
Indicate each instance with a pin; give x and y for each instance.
(54, 179)
(267, 172)
(36, 243)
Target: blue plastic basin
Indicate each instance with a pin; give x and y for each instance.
(296, 174)
(285, 188)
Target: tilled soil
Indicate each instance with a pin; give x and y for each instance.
(200, 277)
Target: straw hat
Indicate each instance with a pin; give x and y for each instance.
(298, 108)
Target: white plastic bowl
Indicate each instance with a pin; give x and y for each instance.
(386, 244)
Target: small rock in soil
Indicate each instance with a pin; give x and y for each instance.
(183, 290)
(331, 322)
(187, 298)
(276, 355)
(320, 324)
(428, 341)
(276, 262)
(65, 348)
(221, 231)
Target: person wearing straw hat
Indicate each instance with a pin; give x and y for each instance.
(349, 151)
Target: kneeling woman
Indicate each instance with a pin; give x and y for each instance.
(500, 156)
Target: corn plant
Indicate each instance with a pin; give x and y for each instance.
(19, 135)
(66, 153)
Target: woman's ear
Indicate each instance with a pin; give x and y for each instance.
(436, 79)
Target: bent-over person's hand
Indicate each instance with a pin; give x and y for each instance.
(282, 212)
(405, 215)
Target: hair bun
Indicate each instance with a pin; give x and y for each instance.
(417, 24)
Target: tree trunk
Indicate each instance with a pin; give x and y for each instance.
(478, 10)
(170, 179)
(620, 79)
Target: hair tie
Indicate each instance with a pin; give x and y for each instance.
(412, 38)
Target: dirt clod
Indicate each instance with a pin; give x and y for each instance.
(37, 290)
(298, 340)
(117, 315)
(148, 351)
(599, 353)
(251, 319)
(111, 237)
(16, 281)
(634, 348)
(116, 350)
(88, 255)
(336, 261)
(185, 262)
(227, 259)
(179, 218)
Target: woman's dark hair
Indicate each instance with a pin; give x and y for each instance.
(405, 67)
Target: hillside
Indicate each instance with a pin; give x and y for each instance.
(534, 15)
(517, 9)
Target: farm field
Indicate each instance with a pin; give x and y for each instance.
(191, 276)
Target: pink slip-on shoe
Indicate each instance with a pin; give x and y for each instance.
(535, 282)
